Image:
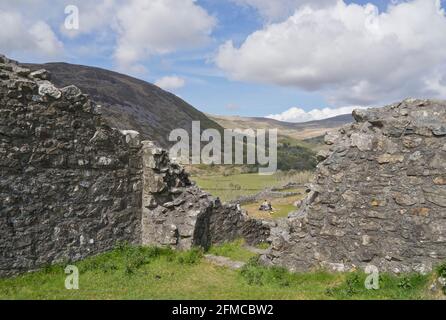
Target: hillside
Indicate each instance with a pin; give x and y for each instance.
(129, 103)
(299, 131)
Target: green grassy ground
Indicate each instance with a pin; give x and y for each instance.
(231, 187)
(282, 207)
(234, 250)
(234, 186)
(150, 273)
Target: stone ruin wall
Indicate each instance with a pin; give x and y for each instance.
(177, 213)
(71, 186)
(378, 197)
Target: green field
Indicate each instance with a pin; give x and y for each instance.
(151, 273)
(282, 207)
(234, 186)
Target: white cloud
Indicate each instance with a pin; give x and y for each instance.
(94, 16)
(134, 30)
(153, 27)
(436, 83)
(19, 35)
(170, 83)
(352, 54)
(273, 10)
(300, 115)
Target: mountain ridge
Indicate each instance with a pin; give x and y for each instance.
(134, 104)
(129, 103)
(300, 131)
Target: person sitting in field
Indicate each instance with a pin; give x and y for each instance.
(270, 206)
(266, 206)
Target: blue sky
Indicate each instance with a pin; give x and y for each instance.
(286, 60)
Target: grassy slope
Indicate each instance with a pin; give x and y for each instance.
(292, 154)
(148, 273)
(296, 148)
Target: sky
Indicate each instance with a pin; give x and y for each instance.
(291, 60)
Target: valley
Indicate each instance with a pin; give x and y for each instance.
(233, 188)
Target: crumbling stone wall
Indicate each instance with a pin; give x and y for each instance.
(70, 186)
(179, 214)
(378, 198)
(229, 222)
(175, 213)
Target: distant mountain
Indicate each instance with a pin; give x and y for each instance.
(129, 103)
(300, 131)
(332, 122)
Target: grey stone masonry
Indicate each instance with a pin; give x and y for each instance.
(70, 186)
(378, 196)
(179, 214)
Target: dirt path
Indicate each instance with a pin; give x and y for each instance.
(255, 250)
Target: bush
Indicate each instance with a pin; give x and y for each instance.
(252, 273)
(135, 259)
(352, 282)
(295, 157)
(280, 276)
(405, 283)
(352, 285)
(409, 286)
(255, 274)
(190, 257)
(441, 272)
(53, 269)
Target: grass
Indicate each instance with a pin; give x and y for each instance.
(234, 250)
(234, 186)
(412, 286)
(282, 207)
(153, 273)
(293, 176)
(263, 246)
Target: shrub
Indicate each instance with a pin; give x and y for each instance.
(252, 273)
(280, 276)
(136, 257)
(350, 286)
(405, 283)
(190, 257)
(352, 282)
(295, 157)
(441, 272)
(255, 274)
